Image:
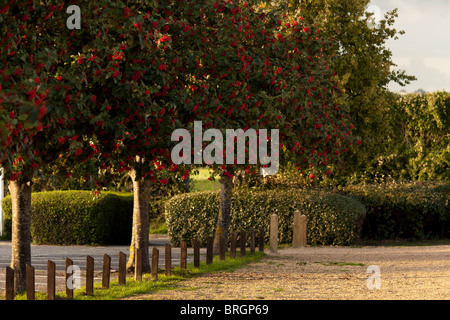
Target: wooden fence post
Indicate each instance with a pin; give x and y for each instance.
(209, 250)
(261, 239)
(168, 257)
(303, 230)
(9, 294)
(233, 245)
(155, 260)
(196, 245)
(242, 242)
(106, 271)
(273, 233)
(138, 265)
(183, 255)
(122, 268)
(51, 280)
(69, 289)
(296, 230)
(89, 275)
(30, 282)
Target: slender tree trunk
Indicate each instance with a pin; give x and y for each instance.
(223, 221)
(21, 236)
(140, 230)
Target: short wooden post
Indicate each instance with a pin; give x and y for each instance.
(51, 280)
(30, 282)
(122, 268)
(183, 255)
(296, 230)
(196, 246)
(89, 275)
(168, 257)
(209, 250)
(106, 271)
(69, 289)
(261, 239)
(303, 230)
(9, 294)
(155, 260)
(242, 242)
(252, 241)
(233, 245)
(222, 247)
(273, 233)
(138, 265)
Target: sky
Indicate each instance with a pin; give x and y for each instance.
(424, 50)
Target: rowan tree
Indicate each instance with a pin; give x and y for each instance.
(254, 68)
(34, 79)
(133, 81)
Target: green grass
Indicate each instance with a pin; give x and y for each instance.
(158, 225)
(148, 286)
(201, 182)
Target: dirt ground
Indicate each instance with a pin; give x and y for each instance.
(324, 273)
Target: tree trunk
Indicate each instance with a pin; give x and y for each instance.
(140, 230)
(21, 236)
(223, 221)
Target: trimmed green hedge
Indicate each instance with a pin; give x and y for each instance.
(333, 219)
(418, 210)
(76, 217)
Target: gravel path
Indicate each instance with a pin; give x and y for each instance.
(416, 272)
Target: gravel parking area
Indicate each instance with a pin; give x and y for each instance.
(323, 273)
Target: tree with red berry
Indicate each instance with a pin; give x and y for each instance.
(255, 68)
(134, 84)
(35, 80)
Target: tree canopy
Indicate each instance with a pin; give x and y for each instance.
(364, 67)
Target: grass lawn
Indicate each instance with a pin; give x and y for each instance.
(201, 182)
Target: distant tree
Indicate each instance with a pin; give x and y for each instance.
(363, 65)
(420, 91)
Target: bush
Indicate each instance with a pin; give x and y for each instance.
(332, 218)
(76, 217)
(418, 210)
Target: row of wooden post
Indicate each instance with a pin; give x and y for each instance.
(106, 272)
(298, 240)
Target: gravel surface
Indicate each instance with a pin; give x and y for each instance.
(338, 273)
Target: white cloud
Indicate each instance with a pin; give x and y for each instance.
(442, 64)
(424, 51)
(402, 61)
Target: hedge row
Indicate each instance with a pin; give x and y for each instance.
(418, 210)
(333, 219)
(379, 211)
(76, 217)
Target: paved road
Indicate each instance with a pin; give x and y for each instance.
(40, 254)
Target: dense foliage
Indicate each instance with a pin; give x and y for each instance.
(34, 54)
(419, 144)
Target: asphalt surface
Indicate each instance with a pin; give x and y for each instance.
(40, 254)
